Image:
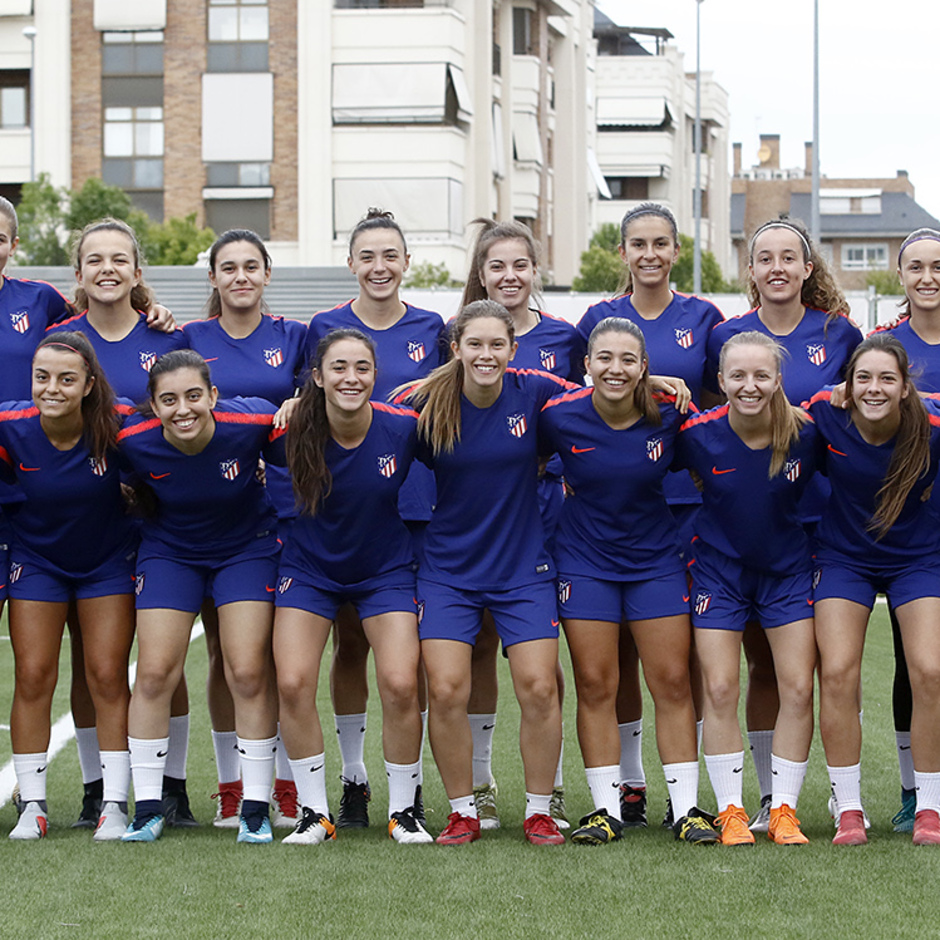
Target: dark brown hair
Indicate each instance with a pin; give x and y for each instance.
(376, 218)
(141, 295)
(637, 212)
(213, 306)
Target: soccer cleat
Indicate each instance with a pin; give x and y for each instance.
(17, 800)
(633, 806)
(851, 828)
(405, 828)
(734, 830)
(112, 824)
(459, 830)
(230, 801)
(312, 829)
(419, 806)
(147, 828)
(669, 820)
(485, 799)
(556, 808)
(176, 810)
(697, 828)
(354, 805)
(91, 806)
(903, 820)
(761, 819)
(285, 811)
(597, 828)
(784, 827)
(927, 827)
(33, 822)
(254, 829)
(542, 830)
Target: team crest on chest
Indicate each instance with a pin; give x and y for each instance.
(654, 448)
(547, 358)
(229, 468)
(816, 353)
(274, 357)
(416, 351)
(147, 359)
(564, 591)
(791, 470)
(16, 569)
(684, 338)
(388, 464)
(98, 467)
(517, 425)
(20, 320)
(703, 601)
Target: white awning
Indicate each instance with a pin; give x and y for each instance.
(525, 137)
(225, 139)
(499, 143)
(598, 174)
(632, 112)
(124, 16)
(464, 104)
(396, 92)
(426, 206)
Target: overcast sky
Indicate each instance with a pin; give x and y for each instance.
(879, 78)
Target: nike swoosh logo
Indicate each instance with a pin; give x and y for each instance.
(718, 472)
(270, 590)
(673, 780)
(213, 359)
(158, 476)
(736, 770)
(581, 450)
(776, 773)
(313, 770)
(839, 452)
(161, 753)
(41, 770)
(28, 469)
(903, 747)
(636, 734)
(685, 599)
(554, 623)
(810, 601)
(487, 727)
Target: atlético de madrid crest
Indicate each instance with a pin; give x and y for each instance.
(388, 465)
(229, 468)
(517, 425)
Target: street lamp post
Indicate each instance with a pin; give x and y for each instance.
(814, 222)
(697, 195)
(30, 33)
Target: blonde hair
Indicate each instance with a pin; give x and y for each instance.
(141, 294)
(490, 233)
(786, 420)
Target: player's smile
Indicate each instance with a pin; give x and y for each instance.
(508, 273)
(347, 375)
(184, 406)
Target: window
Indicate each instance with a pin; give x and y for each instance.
(238, 36)
(865, 257)
(127, 15)
(133, 148)
(523, 41)
(849, 202)
(629, 187)
(375, 4)
(14, 98)
(238, 174)
(254, 214)
(139, 53)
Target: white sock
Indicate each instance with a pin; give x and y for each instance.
(116, 772)
(464, 805)
(928, 791)
(699, 728)
(846, 786)
(281, 760)
(402, 780)
(148, 761)
(682, 783)
(537, 804)
(726, 772)
(788, 777)
(257, 766)
(482, 728)
(31, 776)
(310, 776)
(89, 759)
(225, 745)
(424, 737)
(905, 758)
(631, 753)
(604, 784)
(179, 747)
(351, 732)
(559, 773)
(761, 748)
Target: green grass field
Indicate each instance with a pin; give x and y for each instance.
(200, 884)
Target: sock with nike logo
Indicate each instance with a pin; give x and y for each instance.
(116, 773)
(31, 776)
(148, 761)
(402, 780)
(788, 777)
(726, 772)
(257, 766)
(310, 777)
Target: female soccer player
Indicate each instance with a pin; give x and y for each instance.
(253, 354)
(618, 560)
(409, 343)
(214, 534)
(676, 328)
(71, 542)
(751, 561)
(484, 548)
(877, 535)
(505, 269)
(349, 457)
(797, 303)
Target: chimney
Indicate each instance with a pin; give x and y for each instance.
(809, 158)
(737, 159)
(769, 153)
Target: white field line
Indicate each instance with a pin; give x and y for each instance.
(64, 730)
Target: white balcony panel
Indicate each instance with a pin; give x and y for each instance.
(422, 206)
(640, 154)
(121, 15)
(527, 141)
(632, 111)
(14, 155)
(225, 138)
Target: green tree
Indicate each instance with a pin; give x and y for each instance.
(713, 281)
(885, 283)
(42, 230)
(176, 241)
(428, 274)
(601, 267)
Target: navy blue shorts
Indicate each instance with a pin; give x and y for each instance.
(726, 594)
(30, 579)
(584, 598)
(392, 591)
(840, 577)
(528, 612)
